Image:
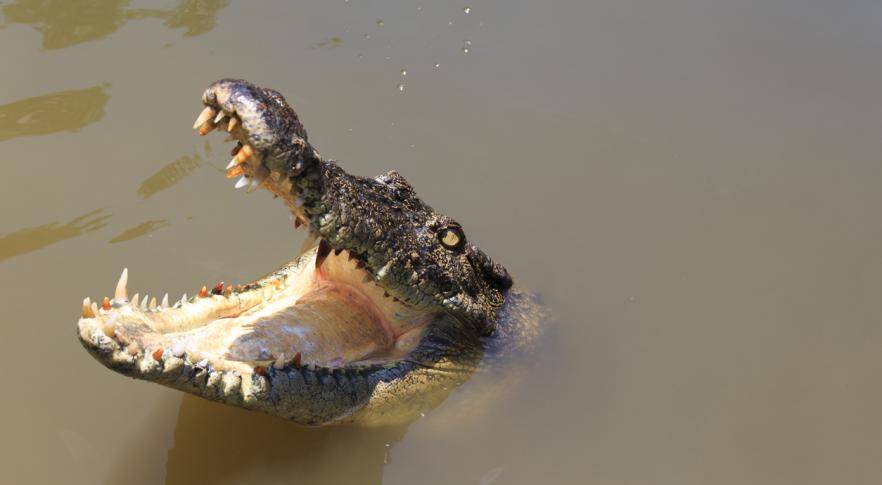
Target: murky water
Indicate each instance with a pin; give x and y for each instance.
(693, 187)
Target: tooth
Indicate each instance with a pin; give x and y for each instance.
(280, 362)
(165, 301)
(94, 308)
(385, 269)
(218, 288)
(242, 182)
(87, 308)
(144, 303)
(235, 172)
(259, 176)
(183, 299)
(203, 292)
(244, 153)
(235, 149)
(221, 115)
(109, 325)
(106, 303)
(121, 295)
(232, 164)
(153, 303)
(206, 128)
(135, 300)
(232, 124)
(322, 252)
(207, 113)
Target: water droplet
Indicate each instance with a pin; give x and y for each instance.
(401, 87)
(437, 65)
(467, 9)
(450, 23)
(465, 50)
(404, 72)
(466, 44)
(380, 22)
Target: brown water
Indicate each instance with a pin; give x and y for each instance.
(692, 185)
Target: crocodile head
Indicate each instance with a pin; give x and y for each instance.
(378, 317)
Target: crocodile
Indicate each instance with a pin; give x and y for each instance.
(388, 307)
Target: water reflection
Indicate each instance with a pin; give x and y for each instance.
(195, 16)
(231, 444)
(33, 238)
(328, 43)
(64, 23)
(169, 174)
(52, 113)
(140, 230)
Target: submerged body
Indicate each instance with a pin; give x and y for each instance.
(388, 310)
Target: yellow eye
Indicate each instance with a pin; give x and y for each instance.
(451, 237)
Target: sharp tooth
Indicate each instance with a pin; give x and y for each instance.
(232, 164)
(87, 308)
(94, 308)
(235, 172)
(280, 362)
(322, 252)
(135, 300)
(121, 294)
(183, 299)
(203, 292)
(385, 269)
(144, 303)
(242, 182)
(165, 301)
(244, 153)
(109, 325)
(106, 303)
(206, 128)
(153, 303)
(259, 176)
(207, 113)
(221, 115)
(232, 124)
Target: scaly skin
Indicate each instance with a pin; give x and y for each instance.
(419, 258)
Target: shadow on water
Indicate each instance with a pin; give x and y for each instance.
(64, 23)
(53, 113)
(168, 175)
(33, 238)
(214, 443)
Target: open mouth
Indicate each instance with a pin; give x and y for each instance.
(380, 314)
(325, 309)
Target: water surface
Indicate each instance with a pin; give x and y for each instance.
(692, 186)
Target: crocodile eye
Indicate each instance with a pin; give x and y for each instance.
(451, 237)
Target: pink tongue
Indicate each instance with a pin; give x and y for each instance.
(330, 325)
